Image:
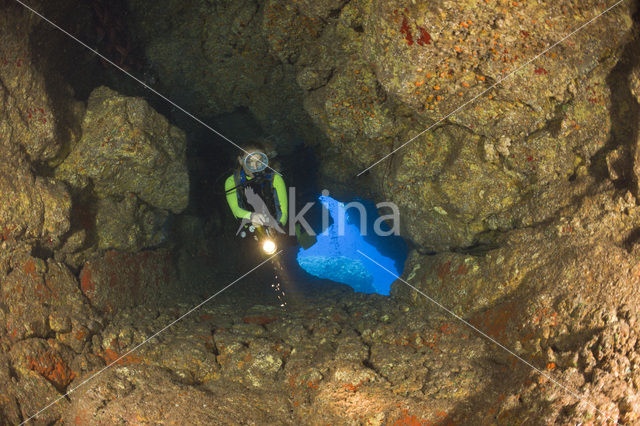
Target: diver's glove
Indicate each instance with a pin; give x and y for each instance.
(258, 219)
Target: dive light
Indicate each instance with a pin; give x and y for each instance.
(268, 244)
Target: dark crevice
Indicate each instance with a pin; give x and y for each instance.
(324, 84)
(42, 252)
(478, 249)
(421, 250)
(335, 13)
(18, 405)
(554, 125)
(13, 374)
(624, 113)
(632, 240)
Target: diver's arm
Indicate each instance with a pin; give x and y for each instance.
(232, 199)
(281, 190)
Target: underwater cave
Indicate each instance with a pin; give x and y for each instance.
(319, 212)
(336, 253)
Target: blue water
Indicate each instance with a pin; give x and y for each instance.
(335, 257)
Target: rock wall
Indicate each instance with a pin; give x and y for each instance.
(213, 58)
(33, 208)
(65, 199)
(370, 75)
(133, 162)
(126, 147)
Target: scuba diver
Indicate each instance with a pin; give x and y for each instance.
(258, 195)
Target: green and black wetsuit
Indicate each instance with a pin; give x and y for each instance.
(270, 187)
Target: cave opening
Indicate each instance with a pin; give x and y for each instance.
(341, 250)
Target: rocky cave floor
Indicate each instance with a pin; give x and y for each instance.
(329, 356)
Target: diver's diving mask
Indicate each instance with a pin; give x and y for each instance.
(256, 161)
